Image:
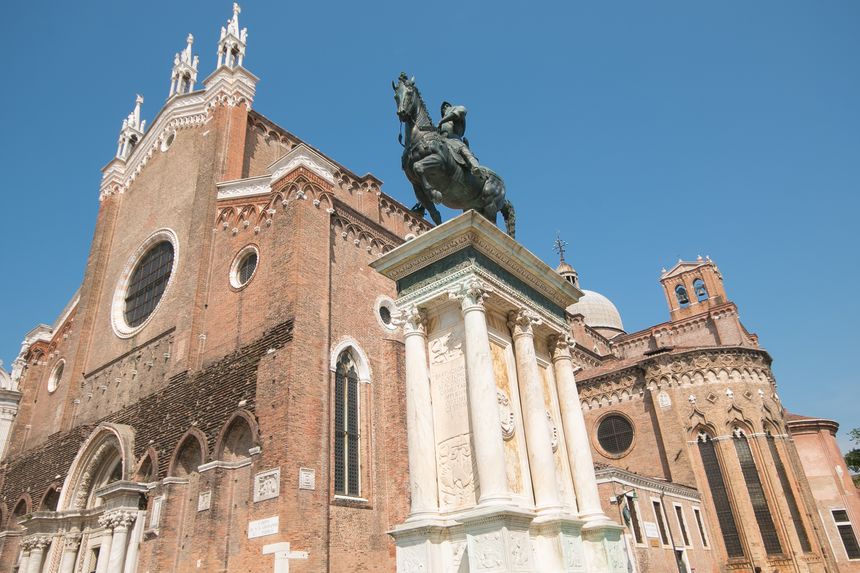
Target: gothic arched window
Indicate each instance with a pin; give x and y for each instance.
(346, 460)
(681, 293)
(700, 290)
(788, 494)
(720, 495)
(763, 517)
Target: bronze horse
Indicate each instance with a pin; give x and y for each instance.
(436, 174)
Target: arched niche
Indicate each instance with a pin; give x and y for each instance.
(237, 437)
(147, 468)
(189, 454)
(105, 457)
(51, 498)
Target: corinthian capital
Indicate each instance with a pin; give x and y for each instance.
(41, 541)
(560, 345)
(521, 322)
(412, 319)
(471, 293)
(71, 542)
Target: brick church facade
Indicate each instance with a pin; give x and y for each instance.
(230, 375)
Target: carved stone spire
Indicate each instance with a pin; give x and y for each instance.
(131, 132)
(231, 46)
(184, 70)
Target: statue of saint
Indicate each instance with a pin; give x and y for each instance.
(453, 127)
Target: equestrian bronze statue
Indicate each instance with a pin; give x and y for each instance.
(440, 165)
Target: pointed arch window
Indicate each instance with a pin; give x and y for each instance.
(681, 294)
(787, 492)
(761, 509)
(720, 495)
(346, 436)
(700, 290)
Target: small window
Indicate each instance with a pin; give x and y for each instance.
(615, 434)
(385, 315)
(661, 521)
(634, 519)
(56, 376)
(682, 525)
(244, 267)
(846, 532)
(386, 312)
(148, 282)
(701, 526)
(700, 290)
(681, 293)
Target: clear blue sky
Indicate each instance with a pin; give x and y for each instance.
(643, 131)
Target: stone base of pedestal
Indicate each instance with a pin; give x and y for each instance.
(604, 547)
(505, 539)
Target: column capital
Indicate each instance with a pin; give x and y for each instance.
(471, 294)
(412, 319)
(72, 541)
(560, 346)
(37, 542)
(522, 322)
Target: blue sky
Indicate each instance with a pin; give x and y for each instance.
(643, 132)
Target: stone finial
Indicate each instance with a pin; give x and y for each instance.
(131, 132)
(692, 400)
(184, 72)
(730, 394)
(231, 45)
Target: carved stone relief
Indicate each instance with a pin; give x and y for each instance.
(456, 477)
(267, 485)
(487, 551)
(506, 415)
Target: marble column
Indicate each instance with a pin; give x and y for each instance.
(489, 452)
(34, 565)
(116, 560)
(537, 430)
(23, 563)
(105, 521)
(134, 543)
(70, 553)
(419, 416)
(575, 434)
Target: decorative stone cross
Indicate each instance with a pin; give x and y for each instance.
(283, 555)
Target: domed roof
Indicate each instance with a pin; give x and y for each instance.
(563, 267)
(599, 312)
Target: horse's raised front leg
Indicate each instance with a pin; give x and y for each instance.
(427, 165)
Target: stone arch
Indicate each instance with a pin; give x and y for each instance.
(51, 497)
(190, 452)
(22, 507)
(702, 427)
(359, 357)
(147, 468)
(746, 426)
(107, 443)
(238, 435)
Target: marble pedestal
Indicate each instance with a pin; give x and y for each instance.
(501, 474)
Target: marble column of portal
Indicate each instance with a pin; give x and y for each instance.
(34, 565)
(537, 430)
(106, 521)
(70, 553)
(419, 416)
(116, 561)
(26, 546)
(134, 543)
(489, 452)
(575, 434)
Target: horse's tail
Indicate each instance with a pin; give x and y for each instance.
(510, 218)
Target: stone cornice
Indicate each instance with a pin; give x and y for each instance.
(471, 229)
(655, 485)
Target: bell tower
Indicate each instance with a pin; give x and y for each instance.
(692, 287)
(231, 46)
(184, 70)
(131, 132)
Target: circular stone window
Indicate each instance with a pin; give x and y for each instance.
(168, 141)
(244, 267)
(146, 277)
(615, 434)
(56, 376)
(385, 312)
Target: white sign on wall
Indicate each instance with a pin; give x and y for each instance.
(651, 529)
(263, 527)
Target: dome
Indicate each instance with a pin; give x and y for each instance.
(563, 267)
(599, 313)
